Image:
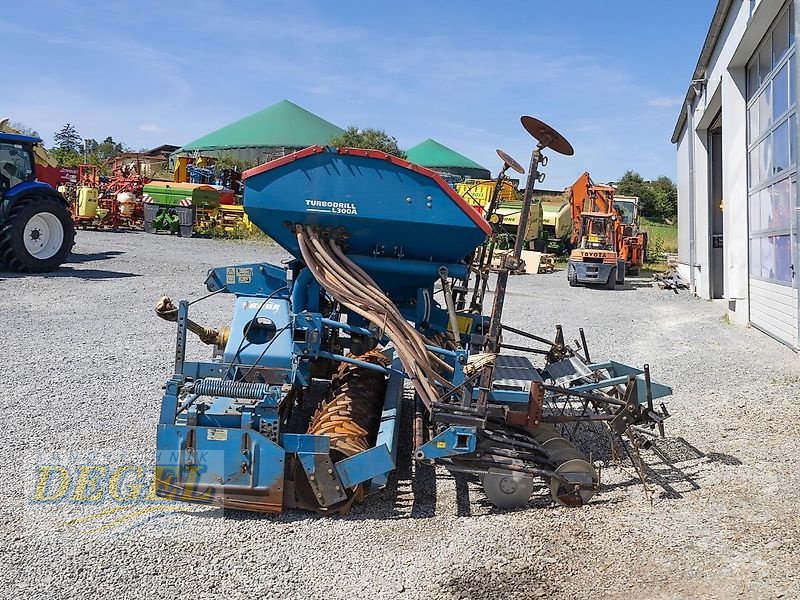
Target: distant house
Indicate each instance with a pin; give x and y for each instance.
(151, 161)
(738, 156)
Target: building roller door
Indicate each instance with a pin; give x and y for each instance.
(772, 183)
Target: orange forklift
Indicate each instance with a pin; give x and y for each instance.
(606, 239)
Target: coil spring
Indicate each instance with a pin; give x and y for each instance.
(211, 386)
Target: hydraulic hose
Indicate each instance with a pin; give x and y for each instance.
(351, 286)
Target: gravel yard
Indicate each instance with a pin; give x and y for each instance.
(87, 357)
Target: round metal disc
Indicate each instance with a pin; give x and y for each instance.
(510, 161)
(564, 454)
(576, 471)
(545, 432)
(547, 136)
(557, 443)
(507, 489)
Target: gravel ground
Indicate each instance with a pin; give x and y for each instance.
(87, 359)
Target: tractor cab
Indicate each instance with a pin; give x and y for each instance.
(16, 160)
(36, 229)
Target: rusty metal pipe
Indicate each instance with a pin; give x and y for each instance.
(167, 310)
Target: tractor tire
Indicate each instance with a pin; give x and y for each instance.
(612, 279)
(572, 277)
(37, 236)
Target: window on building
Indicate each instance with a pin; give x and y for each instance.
(772, 151)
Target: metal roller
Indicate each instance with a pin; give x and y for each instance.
(349, 416)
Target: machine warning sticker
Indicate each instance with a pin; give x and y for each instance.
(244, 274)
(331, 207)
(235, 275)
(218, 435)
(441, 444)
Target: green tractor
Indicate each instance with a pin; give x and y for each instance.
(36, 229)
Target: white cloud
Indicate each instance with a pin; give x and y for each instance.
(150, 128)
(665, 101)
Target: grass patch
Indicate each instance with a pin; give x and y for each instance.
(237, 232)
(651, 268)
(666, 233)
(662, 239)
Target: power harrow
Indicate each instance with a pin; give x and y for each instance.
(380, 311)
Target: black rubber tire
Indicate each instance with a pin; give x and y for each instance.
(633, 271)
(12, 245)
(612, 279)
(572, 277)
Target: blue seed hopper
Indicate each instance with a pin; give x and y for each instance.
(397, 220)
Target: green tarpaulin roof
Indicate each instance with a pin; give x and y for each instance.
(431, 153)
(282, 124)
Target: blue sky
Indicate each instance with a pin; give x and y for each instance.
(609, 74)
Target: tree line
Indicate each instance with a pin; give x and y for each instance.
(71, 150)
(658, 199)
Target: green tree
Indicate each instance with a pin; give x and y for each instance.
(633, 184)
(373, 139)
(658, 199)
(105, 150)
(66, 158)
(666, 193)
(67, 138)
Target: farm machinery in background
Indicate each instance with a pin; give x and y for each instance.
(36, 231)
(112, 202)
(378, 317)
(506, 214)
(200, 196)
(606, 241)
(501, 203)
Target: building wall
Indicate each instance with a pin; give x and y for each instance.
(683, 201)
(724, 88)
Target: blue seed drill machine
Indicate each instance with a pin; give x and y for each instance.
(300, 405)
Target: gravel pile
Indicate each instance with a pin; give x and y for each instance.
(85, 359)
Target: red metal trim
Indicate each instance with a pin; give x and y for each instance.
(468, 209)
(283, 160)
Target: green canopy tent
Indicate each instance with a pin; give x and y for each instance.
(270, 133)
(438, 157)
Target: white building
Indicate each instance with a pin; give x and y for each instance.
(737, 167)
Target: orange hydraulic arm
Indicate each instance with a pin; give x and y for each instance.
(586, 196)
